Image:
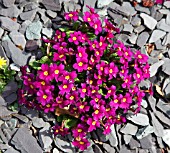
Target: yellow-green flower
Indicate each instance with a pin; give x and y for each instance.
(2, 62)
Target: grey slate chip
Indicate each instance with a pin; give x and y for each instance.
(156, 35)
(8, 3)
(142, 39)
(51, 5)
(30, 15)
(164, 107)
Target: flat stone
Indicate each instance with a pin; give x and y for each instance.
(164, 107)
(97, 149)
(166, 4)
(129, 129)
(139, 119)
(148, 21)
(155, 14)
(55, 150)
(108, 148)
(30, 15)
(9, 24)
(1, 32)
(142, 39)
(167, 20)
(18, 38)
(156, 125)
(127, 138)
(43, 16)
(88, 150)
(47, 32)
(156, 35)
(71, 6)
(166, 136)
(20, 58)
(8, 3)
(11, 98)
(143, 151)
(38, 122)
(124, 150)
(2, 101)
(102, 137)
(24, 26)
(139, 29)
(101, 3)
(128, 28)
(163, 26)
(30, 6)
(11, 150)
(165, 66)
(25, 142)
(51, 13)
(146, 142)
(31, 45)
(33, 30)
(62, 144)
(112, 137)
(127, 9)
(164, 11)
(165, 120)
(144, 103)
(143, 132)
(142, 9)
(159, 45)
(89, 3)
(11, 12)
(154, 68)
(134, 144)
(4, 112)
(166, 40)
(21, 118)
(136, 21)
(51, 5)
(133, 38)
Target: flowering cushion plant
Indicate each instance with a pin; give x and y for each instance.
(86, 78)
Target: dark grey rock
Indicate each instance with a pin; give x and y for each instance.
(134, 144)
(30, 15)
(128, 28)
(112, 137)
(163, 26)
(21, 118)
(51, 5)
(101, 3)
(136, 21)
(33, 30)
(11, 98)
(62, 144)
(166, 40)
(139, 29)
(31, 45)
(8, 24)
(166, 136)
(166, 4)
(139, 119)
(11, 150)
(88, 150)
(148, 21)
(30, 6)
(2, 101)
(142, 39)
(47, 32)
(102, 137)
(127, 138)
(129, 129)
(10, 88)
(157, 125)
(8, 3)
(118, 18)
(30, 113)
(24, 25)
(3, 137)
(11, 124)
(11, 12)
(146, 142)
(108, 148)
(38, 122)
(142, 9)
(15, 53)
(152, 102)
(153, 68)
(97, 149)
(122, 37)
(167, 91)
(165, 66)
(160, 142)
(133, 38)
(156, 35)
(18, 38)
(52, 14)
(25, 142)
(89, 3)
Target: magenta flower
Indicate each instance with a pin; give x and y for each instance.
(126, 101)
(107, 129)
(68, 76)
(127, 81)
(141, 58)
(92, 124)
(72, 97)
(109, 27)
(61, 103)
(102, 44)
(81, 143)
(59, 36)
(82, 107)
(92, 91)
(50, 107)
(60, 130)
(97, 25)
(128, 54)
(138, 76)
(111, 91)
(116, 101)
(44, 97)
(95, 100)
(73, 15)
(81, 53)
(98, 113)
(60, 56)
(83, 90)
(80, 130)
(82, 37)
(146, 73)
(74, 38)
(100, 67)
(60, 47)
(124, 71)
(80, 65)
(65, 87)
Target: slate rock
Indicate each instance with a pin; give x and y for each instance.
(24, 25)
(134, 144)
(33, 30)
(127, 138)
(21, 118)
(156, 125)
(18, 38)
(51, 5)
(108, 148)
(43, 17)
(11, 98)
(31, 45)
(166, 67)
(142, 39)
(71, 6)
(129, 129)
(62, 144)
(128, 28)
(148, 21)
(38, 122)
(20, 58)
(101, 3)
(154, 68)
(1, 32)
(166, 136)
(112, 137)
(146, 142)
(4, 112)
(152, 102)
(143, 151)
(52, 14)
(159, 43)
(166, 4)
(8, 3)
(143, 132)
(139, 119)
(139, 29)
(136, 21)
(30, 6)
(25, 142)
(30, 15)
(127, 9)
(11, 12)
(2, 101)
(166, 40)
(11, 150)
(124, 150)
(55, 150)
(163, 118)
(133, 38)
(3, 137)
(164, 11)
(156, 35)
(142, 9)
(9, 24)
(97, 149)
(89, 3)
(155, 14)
(163, 26)
(30, 113)
(88, 150)
(102, 137)
(167, 20)
(47, 32)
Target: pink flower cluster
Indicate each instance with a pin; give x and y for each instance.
(90, 76)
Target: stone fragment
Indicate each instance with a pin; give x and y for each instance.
(165, 120)
(18, 38)
(2, 101)
(124, 150)
(43, 17)
(164, 107)
(38, 122)
(164, 11)
(8, 24)
(134, 144)
(1, 32)
(128, 28)
(143, 132)
(30, 15)
(88, 150)
(163, 26)
(97, 149)
(112, 137)
(25, 142)
(51, 5)
(136, 21)
(89, 3)
(102, 137)
(30, 6)
(159, 45)
(8, 3)
(33, 30)
(144, 104)
(127, 138)
(153, 68)
(47, 32)
(11, 150)
(11, 12)
(165, 66)
(101, 3)
(142, 39)
(21, 118)
(156, 35)
(166, 136)
(148, 21)
(139, 119)
(20, 58)
(142, 9)
(146, 142)
(166, 40)
(156, 125)
(71, 6)
(51, 13)
(143, 151)
(155, 14)
(31, 45)
(139, 29)
(133, 37)
(2, 136)
(129, 129)
(11, 98)
(108, 148)
(167, 4)
(24, 25)
(167, 20)
(152, 102)
(55, 150)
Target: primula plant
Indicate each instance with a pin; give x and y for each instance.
(5, 74)
(86, 78)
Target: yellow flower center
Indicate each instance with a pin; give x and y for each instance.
(126, 80)
(101, 68)
(59, 102)
(67, 77)
(100, 44)
(81, 142)
(72, 97)
(89, 68)
(48, 105)
(116, 101)
(93, 91)
(96, 112)
(124, 100)
(61, 56)
(31, 86)
(80, 54)
(79, 130)
(97, 52)
(73, 88)
(138, 75)
(88, 19)
(107, 109)
(80, 64)
(111, 71)
(43, 83)
(81, 106)
(93, 46)
(96, 99)
(56, 71)
(65, 86)
(70, 15)
(109, 91)
(2, 62)
(99, 77)
(56, 131)
(126, 53)
(94, 123)
(139, 56)
(122, 71)
(45, 73)
(84, 90)
(74, 38)
(59, 36)
(44, 96)
(95, 26)
(91, 81)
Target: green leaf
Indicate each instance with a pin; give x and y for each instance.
(101, 92)
(35, 65)
(70, 122)
(59, 118)
(13, 107)
(64, 29)
(76, 25)
(44, 59)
